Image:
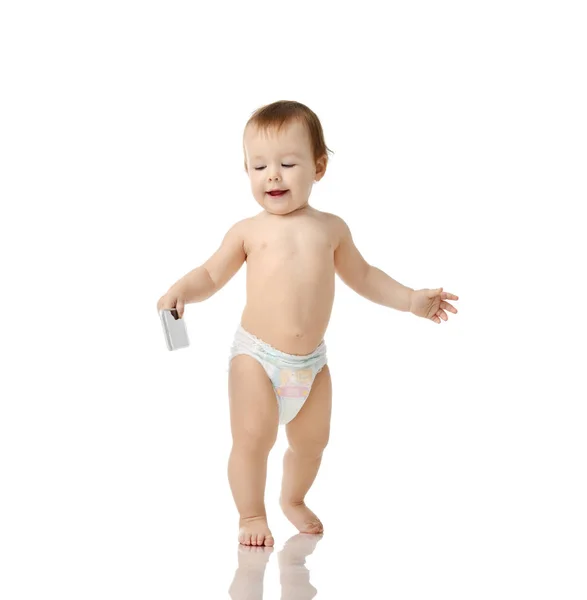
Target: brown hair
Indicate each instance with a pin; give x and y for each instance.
(277, 114)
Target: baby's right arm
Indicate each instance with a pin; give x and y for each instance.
(205, 280)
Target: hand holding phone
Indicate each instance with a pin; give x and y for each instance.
(174, 298)
(176, 335)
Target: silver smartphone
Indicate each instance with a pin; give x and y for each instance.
(176, 334)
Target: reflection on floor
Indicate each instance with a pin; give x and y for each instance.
(294, 575)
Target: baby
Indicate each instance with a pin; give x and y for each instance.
(278, 372)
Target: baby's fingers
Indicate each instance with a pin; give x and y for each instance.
(448, 306)
(180, 307)
(166, 302)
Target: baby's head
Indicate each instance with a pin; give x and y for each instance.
(284, 149)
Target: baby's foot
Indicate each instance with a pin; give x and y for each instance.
(255, 532)
(302, 517)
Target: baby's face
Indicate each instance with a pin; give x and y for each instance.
(281, 161)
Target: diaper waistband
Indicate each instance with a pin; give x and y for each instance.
(242, 336)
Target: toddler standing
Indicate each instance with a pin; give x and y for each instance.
(278, 371)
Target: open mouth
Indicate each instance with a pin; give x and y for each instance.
(277, 193)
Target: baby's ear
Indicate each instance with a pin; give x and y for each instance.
(321, 167)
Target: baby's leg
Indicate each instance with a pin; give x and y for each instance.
(253, 420)
(307, 435)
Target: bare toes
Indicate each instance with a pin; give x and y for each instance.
(255, 533)
(313, 527)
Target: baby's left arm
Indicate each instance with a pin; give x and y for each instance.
(368, 281)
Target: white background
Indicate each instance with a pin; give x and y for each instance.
(456, 466)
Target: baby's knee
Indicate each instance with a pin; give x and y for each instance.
(255, 438)
(311, 447)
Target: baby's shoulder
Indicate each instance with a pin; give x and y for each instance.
(331, 218)
(335, 223)
(243, 231)
(252, 230)
(333, 226)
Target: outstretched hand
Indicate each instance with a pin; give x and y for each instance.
(431, 304)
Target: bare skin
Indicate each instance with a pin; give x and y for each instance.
(289, 250)
(290, 294)
(293, 253)
(290, 278)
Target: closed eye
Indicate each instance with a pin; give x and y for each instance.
(261, 168)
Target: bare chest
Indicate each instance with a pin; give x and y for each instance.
(279, 247)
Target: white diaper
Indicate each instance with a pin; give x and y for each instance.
(292, 375)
